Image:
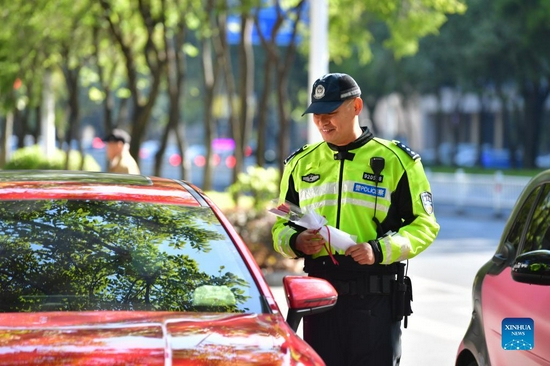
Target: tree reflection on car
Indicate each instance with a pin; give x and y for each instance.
(107, 255)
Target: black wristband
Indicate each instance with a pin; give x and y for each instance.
(376, 250)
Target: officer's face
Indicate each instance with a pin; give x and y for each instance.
(340, 127)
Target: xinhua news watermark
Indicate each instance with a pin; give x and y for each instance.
(518, 334)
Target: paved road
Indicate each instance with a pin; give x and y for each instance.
(442, 280)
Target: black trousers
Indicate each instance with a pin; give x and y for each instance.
(358, 331)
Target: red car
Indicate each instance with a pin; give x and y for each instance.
(112, 269)
(511, 293)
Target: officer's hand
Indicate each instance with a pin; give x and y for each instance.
(309, 242)
(362, 253)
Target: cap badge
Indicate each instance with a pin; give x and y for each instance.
(319, 92)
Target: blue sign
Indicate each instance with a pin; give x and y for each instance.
(267, 17)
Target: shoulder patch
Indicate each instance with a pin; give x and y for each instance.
(427, 202)
(407, 149)
(289, 158)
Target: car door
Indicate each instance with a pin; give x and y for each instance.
(506, 302)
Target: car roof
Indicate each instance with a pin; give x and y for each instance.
(58, 184)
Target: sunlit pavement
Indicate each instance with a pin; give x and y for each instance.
(442, 278)
(441, 308)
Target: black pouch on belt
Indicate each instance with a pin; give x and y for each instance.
(407, 310)
(402, 297)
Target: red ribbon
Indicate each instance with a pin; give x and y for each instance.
(329, 249)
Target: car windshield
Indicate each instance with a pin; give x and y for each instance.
(77, 255)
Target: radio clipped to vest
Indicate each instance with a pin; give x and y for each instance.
(377, 164)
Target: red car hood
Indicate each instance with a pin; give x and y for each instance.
(146, 338)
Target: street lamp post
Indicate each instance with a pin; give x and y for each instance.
(318, 53)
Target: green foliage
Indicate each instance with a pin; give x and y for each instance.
(262, 184)
(407, 22)
(32, 157)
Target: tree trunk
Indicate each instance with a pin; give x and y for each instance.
(175, 68)
(283, 68)
(512, 120)
(7, 132)
(210, 76)
(438, 125)
(230, 89)
(534, 95)
(142, 105)
(370, 103)
(218, 21)
(243, 125)
(71, 80)
(263, 108)
(105, 82)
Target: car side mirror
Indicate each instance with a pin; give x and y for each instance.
(307, 296)
(532, 267)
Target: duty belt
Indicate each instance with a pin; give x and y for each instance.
(346, 264)
(351, 278)
(364, 285)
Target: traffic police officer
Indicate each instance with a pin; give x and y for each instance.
(375, 190)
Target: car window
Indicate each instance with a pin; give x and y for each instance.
(538, 233)
(514, 236)
(74, 255)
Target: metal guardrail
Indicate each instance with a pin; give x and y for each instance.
(495, 191)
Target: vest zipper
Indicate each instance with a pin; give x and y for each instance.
(340, 182)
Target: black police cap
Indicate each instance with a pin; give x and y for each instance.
(330, 91)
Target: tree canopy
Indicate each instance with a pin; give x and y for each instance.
(135, 63)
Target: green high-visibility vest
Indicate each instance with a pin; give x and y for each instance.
(342, 186)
